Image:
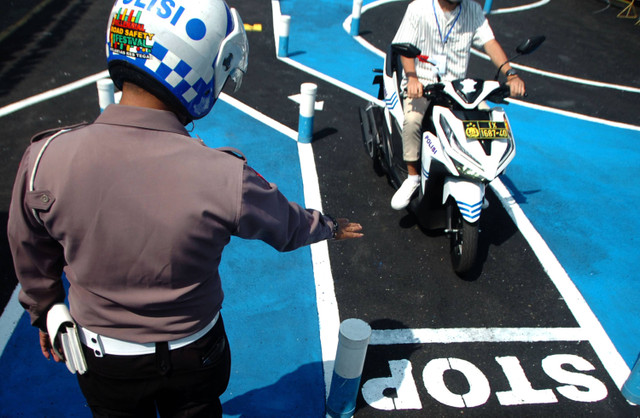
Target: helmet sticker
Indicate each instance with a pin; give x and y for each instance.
(191, 48)
(128, 36)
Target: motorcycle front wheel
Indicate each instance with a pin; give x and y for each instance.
(464, 244)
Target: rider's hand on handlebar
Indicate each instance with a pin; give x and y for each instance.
(516, 86)
(414, 88)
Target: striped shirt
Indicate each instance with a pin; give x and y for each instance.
(450, 34)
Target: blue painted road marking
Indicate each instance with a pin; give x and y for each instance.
(270, 302)
(575, 183)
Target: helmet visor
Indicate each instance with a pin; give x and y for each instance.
(233, 58)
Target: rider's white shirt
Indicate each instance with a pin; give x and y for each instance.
(465, 26)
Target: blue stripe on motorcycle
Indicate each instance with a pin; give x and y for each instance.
(392, 101)
(470, 212)
(469, 206)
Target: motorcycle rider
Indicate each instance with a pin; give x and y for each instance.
(444, 31)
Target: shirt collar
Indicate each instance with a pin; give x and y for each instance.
(141, 117)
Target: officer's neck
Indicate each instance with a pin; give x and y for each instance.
(446, 6)
(132, 95)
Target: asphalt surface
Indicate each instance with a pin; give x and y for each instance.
(398, 277)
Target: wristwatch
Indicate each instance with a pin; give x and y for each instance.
(333, 220)
(511, 72)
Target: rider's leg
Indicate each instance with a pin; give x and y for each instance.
(414, 110)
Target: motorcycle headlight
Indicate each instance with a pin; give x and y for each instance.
(468, 171)
(455, 143)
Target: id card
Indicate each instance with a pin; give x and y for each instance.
(440, 62)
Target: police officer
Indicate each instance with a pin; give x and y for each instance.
(137, 213)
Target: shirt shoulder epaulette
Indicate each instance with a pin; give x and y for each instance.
(232, 151)
(45, 134)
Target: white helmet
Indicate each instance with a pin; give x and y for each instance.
(181, 51)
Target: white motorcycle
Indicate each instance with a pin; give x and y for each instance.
(465, 145)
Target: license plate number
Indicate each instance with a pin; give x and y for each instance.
(486, 129)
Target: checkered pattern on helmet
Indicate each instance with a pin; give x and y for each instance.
(177, 73)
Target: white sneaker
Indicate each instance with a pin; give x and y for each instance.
(403, 196)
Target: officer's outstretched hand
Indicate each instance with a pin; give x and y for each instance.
(348, 230)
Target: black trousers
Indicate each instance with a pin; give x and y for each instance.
(186, 382)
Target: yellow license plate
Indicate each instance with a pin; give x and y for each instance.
(485, 129)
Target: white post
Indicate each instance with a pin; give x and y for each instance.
(631, 388)
(355, 17)
(345, 383)
(307, 110)
(283, 44)
(106, 94)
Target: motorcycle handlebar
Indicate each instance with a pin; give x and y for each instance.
(497, 96)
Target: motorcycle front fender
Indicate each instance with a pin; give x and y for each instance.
(468, 194)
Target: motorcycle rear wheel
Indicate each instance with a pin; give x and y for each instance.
(464, 245)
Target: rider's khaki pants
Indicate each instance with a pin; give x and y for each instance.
(414, 110)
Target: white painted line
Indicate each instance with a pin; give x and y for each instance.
(475, 335)
(515, 9)
(532, 70)
(327, 304)
(575, 115)
(598, 338)
(259, 116)
(563, 77)
(9, 319)
(331, 80)
(4, 111)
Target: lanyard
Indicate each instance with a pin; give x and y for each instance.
(446, 36)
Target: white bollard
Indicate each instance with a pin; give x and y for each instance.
(283, 43)
(355, 17)
(345, 383)
(307, 110)
(106, 94)
(631, 388)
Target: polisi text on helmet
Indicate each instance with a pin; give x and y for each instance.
(164, 8)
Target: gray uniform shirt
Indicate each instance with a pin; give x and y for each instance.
(137, 213)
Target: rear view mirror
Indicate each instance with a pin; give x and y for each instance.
(406, 50)
(526, 47)
(530, 45)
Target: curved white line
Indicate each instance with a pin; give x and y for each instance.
(575, 115)
(519, 8)
(347, 23)
(563, 77)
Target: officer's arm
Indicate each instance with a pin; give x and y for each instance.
(38, 259)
